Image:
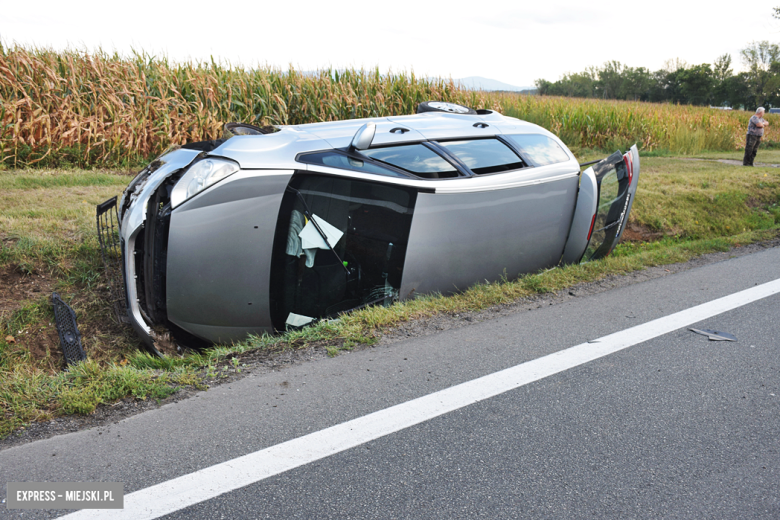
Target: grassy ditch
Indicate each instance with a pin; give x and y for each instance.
(683, 208)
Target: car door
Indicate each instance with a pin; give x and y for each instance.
(604, 202)
(340, 244)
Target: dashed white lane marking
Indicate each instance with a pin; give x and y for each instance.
(187, 490)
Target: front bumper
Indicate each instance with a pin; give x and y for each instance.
(133, 215)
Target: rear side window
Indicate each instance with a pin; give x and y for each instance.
(338, 160)
(484, 155)
(414, 158)
(540, 149)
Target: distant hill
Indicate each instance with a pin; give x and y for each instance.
(470, 83)
(480, 83)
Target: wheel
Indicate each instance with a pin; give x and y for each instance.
(442, 106)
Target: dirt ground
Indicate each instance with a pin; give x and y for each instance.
(259, 361)
(16, 288)
(638, 233)
(733, 162)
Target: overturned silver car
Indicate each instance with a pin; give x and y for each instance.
(272, 228)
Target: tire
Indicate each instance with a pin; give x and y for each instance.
(231, 129)
(442, 106)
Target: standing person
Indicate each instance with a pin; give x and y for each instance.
(754, 133)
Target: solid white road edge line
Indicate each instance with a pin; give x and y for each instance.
(187, 490)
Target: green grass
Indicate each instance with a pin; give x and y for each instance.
(702, 199)
(768, 156)
(47, 229)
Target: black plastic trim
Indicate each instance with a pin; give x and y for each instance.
(512, 146)
(450, 158)
(347, 152)
(68, 331)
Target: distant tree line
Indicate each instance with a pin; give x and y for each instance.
(706, 84)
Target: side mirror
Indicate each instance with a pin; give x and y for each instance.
(364, 136)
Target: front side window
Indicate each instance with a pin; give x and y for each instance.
(414, 158)
(540, 149)
(484, 155)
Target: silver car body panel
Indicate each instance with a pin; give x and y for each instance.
(272, 151)
(584, 213)
(458, 239)
(219, 256)
(339, 136)
(500, 181)
(435, 125)
(172, 162)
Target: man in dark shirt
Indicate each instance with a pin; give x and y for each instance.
(754, 134)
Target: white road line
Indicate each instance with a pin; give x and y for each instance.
(187, 490)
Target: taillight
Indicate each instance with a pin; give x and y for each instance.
(629, 168)
(592, 223)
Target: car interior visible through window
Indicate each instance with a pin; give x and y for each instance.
(415, 158)
(369, 224)
(484, 156)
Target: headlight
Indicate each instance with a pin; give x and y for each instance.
(200, 176)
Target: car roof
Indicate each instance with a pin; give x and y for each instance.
(278, 150)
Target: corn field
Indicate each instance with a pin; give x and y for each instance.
(611, 124)
(75, 108)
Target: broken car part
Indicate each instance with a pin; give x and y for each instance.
(68, 331)
(110, 252)
(715, 335)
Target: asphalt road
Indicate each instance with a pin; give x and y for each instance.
(673, 427)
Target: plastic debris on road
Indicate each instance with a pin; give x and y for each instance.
(715, 335)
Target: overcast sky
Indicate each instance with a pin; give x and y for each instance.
(511, 41)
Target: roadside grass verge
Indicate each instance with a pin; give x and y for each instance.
(47, 235)
(29, 395)
(765, 155)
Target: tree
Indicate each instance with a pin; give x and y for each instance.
(543, 87)
(670, 84)
(722, 67)
(577, 85)
(721, 72)
(610, 80)
(696, 84)
(675, 65)
(636, 83)
(760, 55)
(737, 92)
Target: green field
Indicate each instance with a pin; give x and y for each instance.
(683, 208)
